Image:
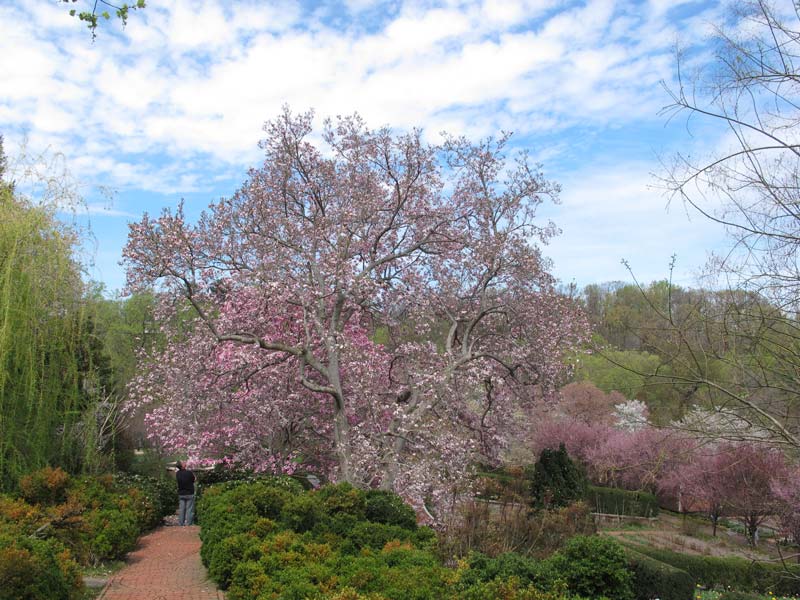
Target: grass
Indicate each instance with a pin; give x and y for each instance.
(101, 571)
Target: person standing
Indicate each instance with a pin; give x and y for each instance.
(185, 479)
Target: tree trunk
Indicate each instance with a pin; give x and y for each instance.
(341, 428)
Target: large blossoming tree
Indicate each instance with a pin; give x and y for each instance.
(365, 301)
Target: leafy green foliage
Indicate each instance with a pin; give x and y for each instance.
(92, 17)
(617, 370)
(388, 508)
(40, 336)
(594, 567)
(508, 565)
(33, 569)
(733, 595)
(556, 480)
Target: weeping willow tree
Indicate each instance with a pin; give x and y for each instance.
(41, 339)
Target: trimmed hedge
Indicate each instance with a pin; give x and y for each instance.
(615, 501)
(655, 579)
(731, 572)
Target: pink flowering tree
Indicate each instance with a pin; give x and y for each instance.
(699, 485)
(747, 481)
(613, 456)
(370, 298)
(584, 401)
(787, 492)
(750, 473)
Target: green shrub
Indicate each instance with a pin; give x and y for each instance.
(32, 569)
(364, 534)
(388, 508)
(483, 568)
(614, 501)
(342, 498)
(226, 554)
(113, 533)
(324, 545)
(302, 512)
(235, 507)
(655, 579)
(730, 572)
(592, 566)
(510, 589)
(160, 493)
(556, 480)
(45, 486)
(96, 518)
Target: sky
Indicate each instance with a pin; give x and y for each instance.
(173, 105)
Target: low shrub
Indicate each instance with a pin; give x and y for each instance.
(385, 507)
(112, 533)
(160, 496)
(261, 540)
(615, 501)
(32, 569)
(301, 512)
(730, 572)
(655, 579)
(45, 486)
(593, 567)
(483, 569)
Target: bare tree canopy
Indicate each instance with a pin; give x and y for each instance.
(737, 350)
(749, 183)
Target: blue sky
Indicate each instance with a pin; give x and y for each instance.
(172, 106)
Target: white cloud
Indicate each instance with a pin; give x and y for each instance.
(203, 76)
(614, 212)
(176, 101)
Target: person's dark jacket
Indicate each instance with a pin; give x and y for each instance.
(185, 480)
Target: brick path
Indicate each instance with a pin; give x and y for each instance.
(165, 566)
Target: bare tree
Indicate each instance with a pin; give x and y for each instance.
(738, 349)
(750, 184)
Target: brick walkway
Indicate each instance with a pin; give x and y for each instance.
(165, 566)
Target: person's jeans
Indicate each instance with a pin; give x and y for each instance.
(185, 510)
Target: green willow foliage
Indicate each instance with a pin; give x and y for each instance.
(41, 316)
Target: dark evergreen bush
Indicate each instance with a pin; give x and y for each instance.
(556, 480)
(483, 568)
(324, 545)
